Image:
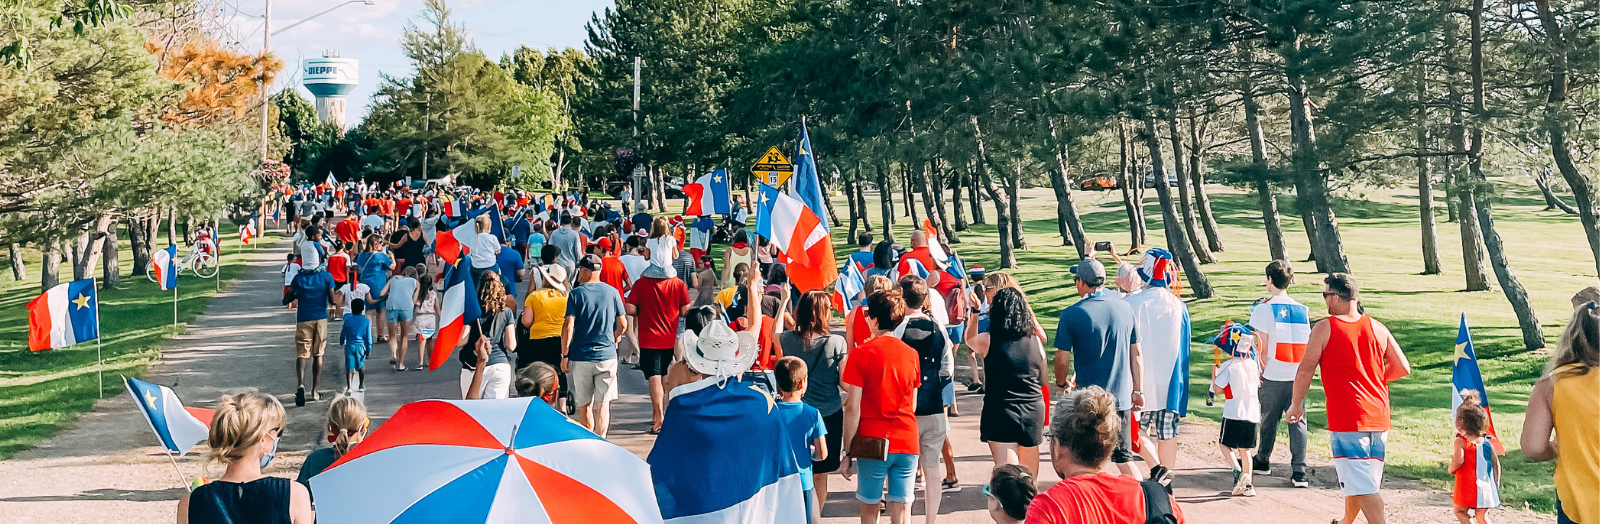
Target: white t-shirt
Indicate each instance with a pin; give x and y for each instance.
(360, 291)
(309, 255)
(662, 250)
(484, 247)
(289, 272)
(1242, 380)
(373, 221)
(941, 313)
(636, 265)
(1285, 324)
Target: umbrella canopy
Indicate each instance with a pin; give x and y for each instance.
(489, 461)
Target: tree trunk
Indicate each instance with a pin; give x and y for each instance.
(936, 182)
(855, 214)
(1551, 201)
(885, 202)
(859, 187)
(1556, 121)
(975, 198)
(1202, 202)
(1450, 197)
(1067, 219)
(1177, 241)
(19, 271)
(1013, 184)
(926, 179)
(1008, 257)
(1190, 229)
(827, 201)
(1532, 334)
(1472, 248)
(50, 275)
(1309, 181)
(1258, 156)
(908, 189)
(1130, 184)
(172, 226)
(110, 272)
(1430, 231)
(141, 230)
(959, 181)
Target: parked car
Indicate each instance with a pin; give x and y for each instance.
(1150, 180)
(1099, 183)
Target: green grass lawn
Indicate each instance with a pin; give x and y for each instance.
(42, 393)
(1380, 229)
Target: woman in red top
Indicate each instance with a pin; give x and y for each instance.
(1085, 430)
(880, 380)
(856, 330)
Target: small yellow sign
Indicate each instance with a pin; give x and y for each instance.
(773, 168)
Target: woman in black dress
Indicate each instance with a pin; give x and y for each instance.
(1013, 418)
(244, 436)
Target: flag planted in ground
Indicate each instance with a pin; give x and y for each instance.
(177, 427)
(165, 265)
(64, 315)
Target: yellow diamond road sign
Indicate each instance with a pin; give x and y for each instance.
(773, 168)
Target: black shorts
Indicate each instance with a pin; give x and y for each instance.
(1123, 453)
(654, 362)
(546, 350)
(835, 439)
(1238, 434)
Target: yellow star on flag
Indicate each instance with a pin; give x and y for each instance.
(82, 301)
(150, 398)
(770, 403)
(1461, 351)
(716, 179)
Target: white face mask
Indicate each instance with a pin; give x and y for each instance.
(267, 459)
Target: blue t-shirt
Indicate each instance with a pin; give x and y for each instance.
(356, 335)
(804, 424)
(1098, 330)
(374, 269)
(535, 239)
(509, 261)
(520, 230)
(312, 289)
(594, 307)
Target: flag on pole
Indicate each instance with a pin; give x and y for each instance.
(177, 427)
(935, 250)
(331, 181)
(165, 264)
(1465, 375)
(851, 282)
(458, 309)
(796, 220)
(64, 315)
(246, 233)
(709, 194)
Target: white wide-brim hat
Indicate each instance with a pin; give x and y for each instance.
(721, 351)
(554, 276)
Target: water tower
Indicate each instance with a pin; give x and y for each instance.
(330, 78)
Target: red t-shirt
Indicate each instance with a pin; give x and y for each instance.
(921, 255)
(348, 230)
(387, 206)
(613, 273)
(402, 206)
(337, 265)
(888, 374)
(660, 303)
(1101, 498)
(859, 330)
(1352, 377)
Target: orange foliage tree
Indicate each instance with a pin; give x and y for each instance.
(221, 84)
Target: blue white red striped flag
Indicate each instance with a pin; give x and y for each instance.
(177, 427)
(725, 458)
(1466, 375)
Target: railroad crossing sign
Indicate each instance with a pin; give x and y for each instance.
(773, 168)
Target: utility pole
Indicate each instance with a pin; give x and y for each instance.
(266, 47)
(427, 129)
(638, 189)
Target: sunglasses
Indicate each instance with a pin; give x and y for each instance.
(1326, 294)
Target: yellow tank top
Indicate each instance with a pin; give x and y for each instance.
(1576, 409)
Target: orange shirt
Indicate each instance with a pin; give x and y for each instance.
(888, 373)
(1353, 377)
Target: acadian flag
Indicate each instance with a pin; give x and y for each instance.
(935, 251)
(725, 458)
(165, 264)
(247, 232)
(1465, 375)
(177, 427)
(331, 181)
(459, 308)
(796, 221)
(709, 194)
(64, 315)
(851, 282)
(448, 243)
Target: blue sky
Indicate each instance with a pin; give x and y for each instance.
(372, 33)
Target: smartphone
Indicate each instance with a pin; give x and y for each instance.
(1102, 246)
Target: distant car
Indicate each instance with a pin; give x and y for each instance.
(1099, 183)
(1150, 180)
(615, 184)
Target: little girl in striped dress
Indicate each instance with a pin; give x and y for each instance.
(1474, 463)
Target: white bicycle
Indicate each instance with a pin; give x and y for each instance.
(203, 264)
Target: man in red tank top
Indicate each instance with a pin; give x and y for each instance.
(1358, 357)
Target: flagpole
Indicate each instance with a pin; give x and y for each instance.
(181, 478)
(174, 300)
(99, 355)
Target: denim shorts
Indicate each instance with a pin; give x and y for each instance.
(899, 471)
(399, 315)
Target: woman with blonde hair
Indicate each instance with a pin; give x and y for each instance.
(347, 426)
(244, 437)
(662, 246)
(497, 329)
(1564, 402)
(400, 297)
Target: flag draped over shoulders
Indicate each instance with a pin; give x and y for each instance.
(1164, 334)
(723, 456)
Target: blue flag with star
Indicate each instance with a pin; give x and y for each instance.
(1465, 375)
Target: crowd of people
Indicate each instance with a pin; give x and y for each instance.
(743, 368)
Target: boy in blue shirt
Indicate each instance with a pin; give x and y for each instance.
(356, 337)
(805, 426)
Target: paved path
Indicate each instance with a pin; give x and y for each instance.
(109, 468)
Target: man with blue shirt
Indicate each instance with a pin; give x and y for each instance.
(1097, 337)
(596, 318)
(566, 238)
(310, 293)
(509, 263)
